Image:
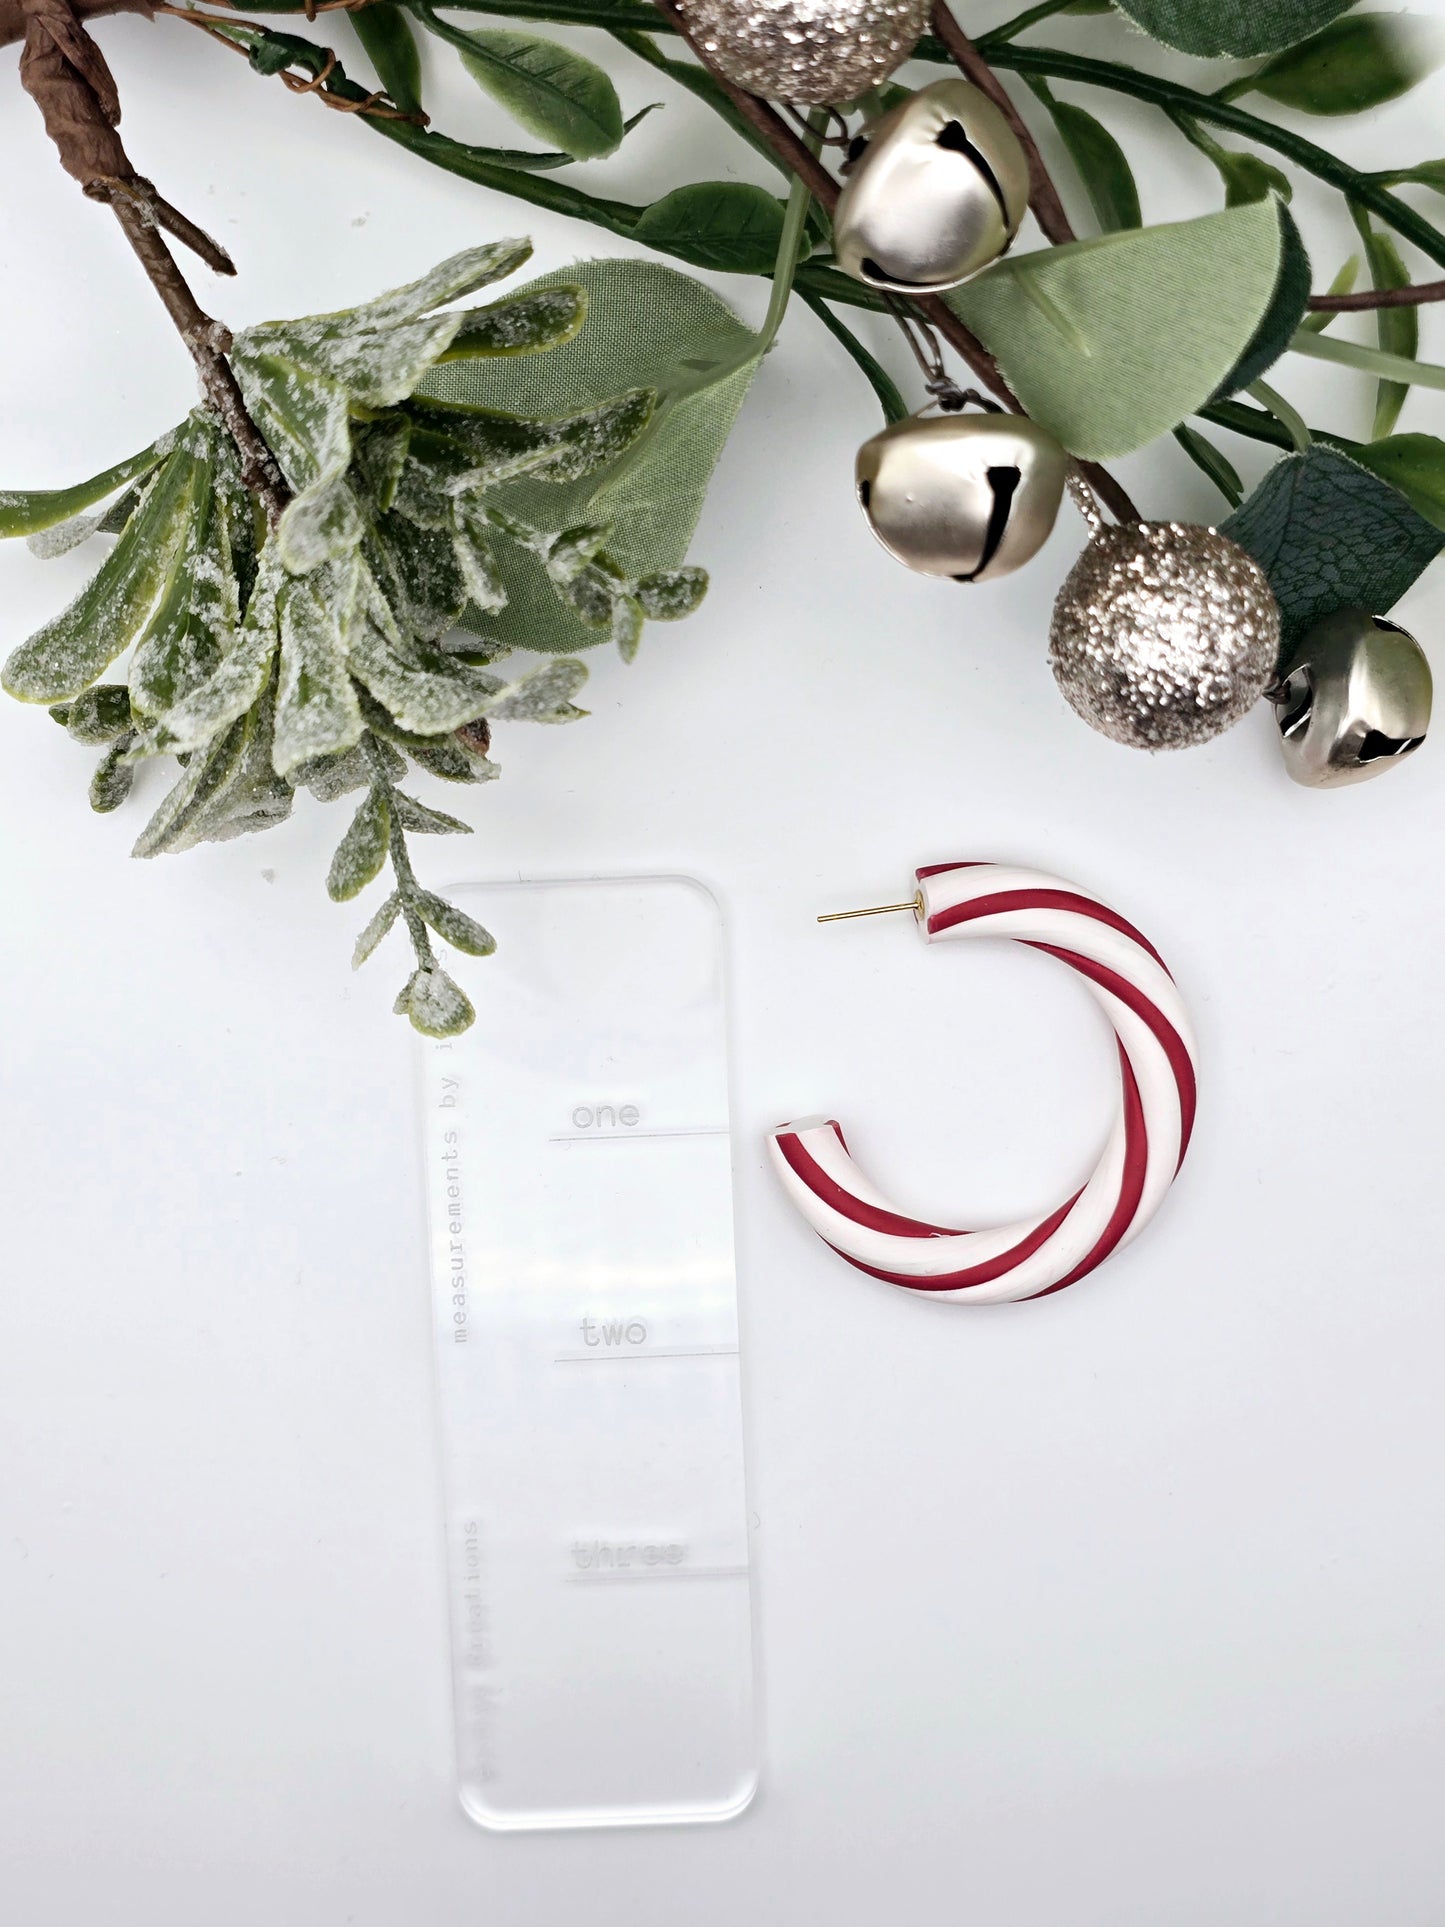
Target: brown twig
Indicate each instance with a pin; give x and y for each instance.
(375, 104)
(791, 149)
(1048, 209)
(66, 75)
(1415, 297)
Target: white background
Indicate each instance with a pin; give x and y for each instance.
(1124, 1608)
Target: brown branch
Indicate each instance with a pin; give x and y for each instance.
(1415, 297)
(66, 75)
(790, 148)
(1048, 209)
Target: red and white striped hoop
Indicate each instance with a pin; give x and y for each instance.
(1129, 981)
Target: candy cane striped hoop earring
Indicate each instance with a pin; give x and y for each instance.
(1030, 1259)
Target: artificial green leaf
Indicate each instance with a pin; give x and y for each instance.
(548, 89)
(543, 319)
(243, 674)
(417, 571)
(1414, 464)
(429, 696)
(1212, 461)
(321, 524)
(1282, 317)
(455, 926)
(204, 777)
(71, 651)
(27, 511)
(422, 820)
(1238, 27)
(625, 627)
(544, 696)
(1396, 329)
(385, 32)
(254, 798)
(475, 555)
(1427, 174)
(362, 851)
(436, 1006)
(729, 225)
(328, 777)
(1328, 533)
(376, 929)
(1354, 64)
(670, 594)
(302, 412)
(1343, 283)
(113, 779)
(1101, 162)
(380, 450)
(1112, 342)
(450, 280)
(500, 447)
(98, 715)
(194, 623)
(651, 327)
(316, 708)
(1246, 177)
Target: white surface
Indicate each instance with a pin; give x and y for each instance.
(1120, 1609)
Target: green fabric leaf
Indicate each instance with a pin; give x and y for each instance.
(73, 649)
(1328, 534)
(27, 511)
(1239, 27)
(1414, 464)
(1111, 342)
(378, 927)
(317, 713)
(521, 326)
(450, 280)
(436, 1006)
(648, 327)
(362, 851)
(1396, 329)
(385, 32)
(1101, 162)
(729, 225)
(1283, 316)
(548, 89)
(455, 926)
(422, 820)
(113, 779)
(1355, 64)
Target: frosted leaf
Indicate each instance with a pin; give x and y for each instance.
(568, 550)
(447, 758)
(418, 573)
(332, 776)
(321, 524)
(459, 275)
(436, 1006)
(317, 712)
(378, 927)
(544, 696)
(500, 447)
(111, 783)
(597, 436)
(420, 498)
(626, 626)
(194, 624)
(528, 323)
(362, 851)
(301, 412)
(462, 932)
(70, 652)
(99, 715)
(379, 450)
(471, 541)
(27, 511)
(205, 775)
(61, 537)
(671, 593)
(592, 592)
(429, 700)
(375, 368)
(243, 674)
(421, 820)
(255, 798)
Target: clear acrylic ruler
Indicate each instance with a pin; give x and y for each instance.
(580, 1187)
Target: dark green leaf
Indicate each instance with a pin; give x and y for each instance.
(1282, 317)
(205, 777)
(544, 318)
(1239, 27)
(362, 851)
(551, 91)
(1427, 174)
(1397, 329)
(459, 930)
(100, 714)
(111, 783)
(1414, 464)
(316, 707)
(1216, 465)
(385, 32)
(27, 511)
(1355, 64)
(729, 225)
(1329, 533)
(1101, 162)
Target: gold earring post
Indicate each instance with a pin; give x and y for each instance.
(915, 904)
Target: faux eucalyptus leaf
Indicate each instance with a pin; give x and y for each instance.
(1356, 63)
(1111, 342)
(1239, 27)
(729, 225)
(554, 93)
(1329, 533)
(1282, 318)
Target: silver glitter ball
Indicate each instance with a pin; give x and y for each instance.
(1164, 634)
(817, 52)
(1353, 699)
(936, 190)
(967, 496)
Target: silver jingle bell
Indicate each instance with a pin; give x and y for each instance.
(967, 496)
(936, 190)
(1353, 699)
(815, 52)
(1164, 634)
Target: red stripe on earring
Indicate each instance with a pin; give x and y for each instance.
(1006, 900)
(1172, 1044)
(1131, 1189)
(943, 869)
(870, 1216)
(979, 1274)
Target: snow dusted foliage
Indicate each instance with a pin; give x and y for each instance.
(356, 638)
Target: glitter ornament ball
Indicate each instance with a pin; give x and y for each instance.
(815, 52)
(1164, 634)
